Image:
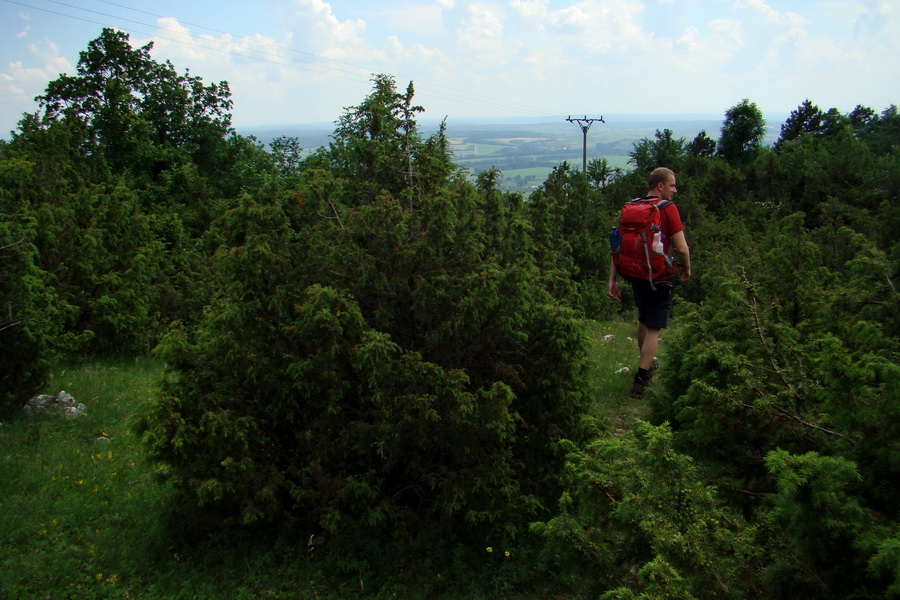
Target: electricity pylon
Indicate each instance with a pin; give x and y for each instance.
(585, 124)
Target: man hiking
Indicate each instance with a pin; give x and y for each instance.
(653, 289)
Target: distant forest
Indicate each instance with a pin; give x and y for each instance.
(369, 341)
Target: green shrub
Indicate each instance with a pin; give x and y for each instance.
(373, 360)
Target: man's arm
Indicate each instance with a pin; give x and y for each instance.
(614, 290)
(679, 242)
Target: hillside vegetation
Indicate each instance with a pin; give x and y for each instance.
(394, 369)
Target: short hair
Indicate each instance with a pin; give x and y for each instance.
(659, 175)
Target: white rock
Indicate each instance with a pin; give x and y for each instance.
(62, 403)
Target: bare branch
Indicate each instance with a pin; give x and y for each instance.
(11, 324)
(783, 413)
(334, 210)
(11, 245)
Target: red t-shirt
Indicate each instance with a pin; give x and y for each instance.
(670, 223)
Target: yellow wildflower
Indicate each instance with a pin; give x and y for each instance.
(489, 549)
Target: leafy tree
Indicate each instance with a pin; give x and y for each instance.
(600, 172)
(861, 116)
(742, 133)
(130, 164)
(806, 118)
(140, 116)
(702, 145)
(663, 151)
(31, 315)
(287, 154)
(373, 145)
(881, 133)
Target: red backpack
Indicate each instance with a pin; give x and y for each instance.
(639, 252)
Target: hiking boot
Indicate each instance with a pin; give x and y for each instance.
(637, 388)
(653, 368)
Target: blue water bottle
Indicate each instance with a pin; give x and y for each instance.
(614, 238)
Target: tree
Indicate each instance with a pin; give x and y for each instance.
(807, 118)
(663, 151)
(742, 133)
(702, 145)
(130, 162)
(30, 313)
(140, 115)
(373, 145)
(377, 355)
(600, 172)
(861, 116)
(881, 133)
(287, 154)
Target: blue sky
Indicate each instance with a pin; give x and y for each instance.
(304, 61)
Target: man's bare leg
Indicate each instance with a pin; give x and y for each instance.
(648, 344)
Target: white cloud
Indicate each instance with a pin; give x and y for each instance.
(416, 53)
(761, 8)
(482, 33)
(21, 81)
(725, 37)
(530, 9)
(327, 27)
(601, 25)
(874, 19)
(180, 45)
(423, 19)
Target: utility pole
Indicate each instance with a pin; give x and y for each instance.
(585, 124)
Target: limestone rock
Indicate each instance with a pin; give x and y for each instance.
(62, 403)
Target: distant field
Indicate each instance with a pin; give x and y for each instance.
(485, 149)
(540, 172)
(462, 148)
(524, 180)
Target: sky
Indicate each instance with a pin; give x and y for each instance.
(306, 61)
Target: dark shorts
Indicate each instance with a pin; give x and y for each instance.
(654, 306)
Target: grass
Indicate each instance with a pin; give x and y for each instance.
(84, 515)
(613, 359)
(79, 502)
